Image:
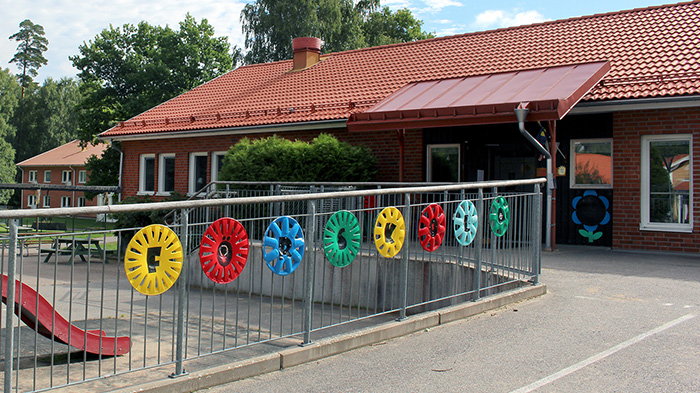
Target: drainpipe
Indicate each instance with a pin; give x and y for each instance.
(521, 114)
(74, 181)
(121, 162)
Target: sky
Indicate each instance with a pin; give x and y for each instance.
(69, 23)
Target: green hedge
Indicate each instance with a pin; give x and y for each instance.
(325, 159)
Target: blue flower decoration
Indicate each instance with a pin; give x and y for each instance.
(590, 210)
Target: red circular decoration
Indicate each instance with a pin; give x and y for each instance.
(431, 227)
(224, 250)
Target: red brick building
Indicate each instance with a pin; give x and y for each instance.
(64, 166)
(622, 86)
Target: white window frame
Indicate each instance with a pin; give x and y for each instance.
(81, 201)
(66, 201)
(191, 178)
(66, 177)
(645, 223)
(47, 201)
(428, 161)
(47, 176)
(215, 164)
(33, 176)
(572, 165)
(82, 176)
(161, 173)
(142, 173)
(31, 201)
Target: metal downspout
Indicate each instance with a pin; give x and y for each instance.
(121, 162)
(521, 114)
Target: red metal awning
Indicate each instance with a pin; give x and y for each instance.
(485, 99)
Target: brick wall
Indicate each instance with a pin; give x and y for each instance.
(384, 146)
(628, 128)
(54, 195)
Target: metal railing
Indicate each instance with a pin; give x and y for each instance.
(88, 298)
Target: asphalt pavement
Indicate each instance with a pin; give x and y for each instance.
(611, 321)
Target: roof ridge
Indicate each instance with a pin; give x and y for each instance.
(510, 28)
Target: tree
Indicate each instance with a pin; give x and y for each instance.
(30, 51)
(9, 95)
(270, 26)
(125, 71)
(128, 70)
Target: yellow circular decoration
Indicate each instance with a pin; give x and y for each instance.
(153, 259)
(389, 232)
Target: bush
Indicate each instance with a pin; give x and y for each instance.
(325, 159)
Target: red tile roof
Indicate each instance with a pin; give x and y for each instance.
(70, 154)
(653, 53)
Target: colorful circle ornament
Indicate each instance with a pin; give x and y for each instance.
(431, 227)
(389, 232)
(153, 259)
(341, 238)
(499, 216)
(283, 246)
(223, 251)
(466, 222)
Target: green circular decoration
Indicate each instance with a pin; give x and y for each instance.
(499, 216)
(341, 238)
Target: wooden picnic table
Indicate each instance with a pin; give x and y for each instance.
(73, 247)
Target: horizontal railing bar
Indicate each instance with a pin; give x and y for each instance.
(139, 207)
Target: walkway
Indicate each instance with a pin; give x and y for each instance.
(611, 322)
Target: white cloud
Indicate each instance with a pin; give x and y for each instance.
(437, 5)
(501, 18)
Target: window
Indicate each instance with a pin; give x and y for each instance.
(65, 201)
(667, 183)
(147, 173)
(591, 163)
(47, 176)
(66, 177)
(81, 201)
(198, 172)
(82, 176)
(47, 201)
(32, 176)
(217, 162)
(443, 163)
(31, 200)
(166, 173)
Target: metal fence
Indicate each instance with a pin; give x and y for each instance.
(78, 316)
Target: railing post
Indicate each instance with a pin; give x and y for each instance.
(181, 297)
(9, 310)
(535, 235)
(310, 269)
(479, 244)
(404, 265)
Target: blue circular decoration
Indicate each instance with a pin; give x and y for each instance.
(466, 222)
(283, 246)
(590, 210)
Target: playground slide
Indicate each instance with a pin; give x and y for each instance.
(37, 313)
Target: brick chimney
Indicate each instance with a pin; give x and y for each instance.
(307, 52)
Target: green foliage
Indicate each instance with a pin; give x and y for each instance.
(46, 117)
(9, 96)
(270, 26)
(104, 170)
(279, 159)
(144, 218)
(125, 71)
(30, 50)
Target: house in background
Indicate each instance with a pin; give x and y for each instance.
(617, 94)
(57, 172)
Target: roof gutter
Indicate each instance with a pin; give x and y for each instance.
(266, 128)
(521, 114)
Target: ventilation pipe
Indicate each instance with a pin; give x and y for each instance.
(521, 114)
(307, 52)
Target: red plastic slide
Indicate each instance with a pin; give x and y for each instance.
(91, 341)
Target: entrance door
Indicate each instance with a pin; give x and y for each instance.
(443, 163)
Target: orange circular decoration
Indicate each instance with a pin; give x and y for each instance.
(223, 251)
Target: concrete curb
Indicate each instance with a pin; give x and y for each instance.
(333, 345)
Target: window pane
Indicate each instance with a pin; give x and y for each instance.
(149, 173)
(592, 162)
(444, 163)
(669, 182)
(47, 176)
(200, 172)
(219, 165)
(169, 173)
